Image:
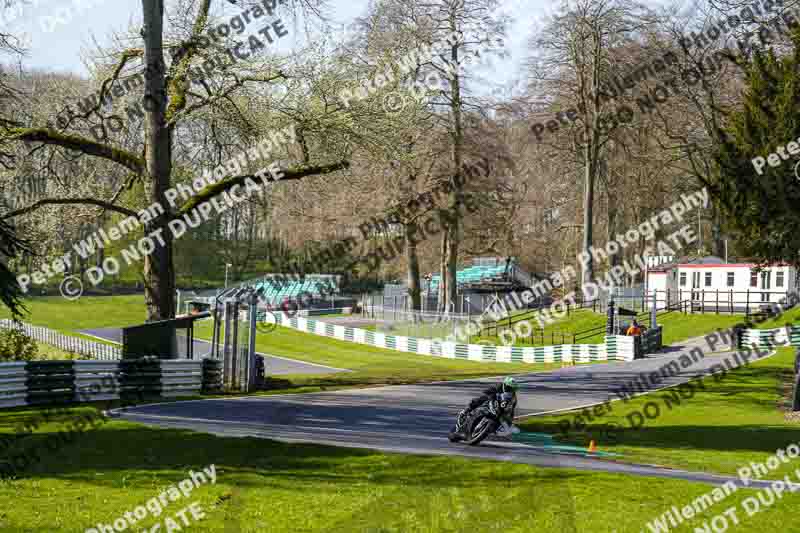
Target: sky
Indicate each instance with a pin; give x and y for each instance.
(59, 32)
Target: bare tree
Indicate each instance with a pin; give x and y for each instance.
(168, 102)
(575, 65)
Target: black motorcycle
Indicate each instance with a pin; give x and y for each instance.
(485, 420)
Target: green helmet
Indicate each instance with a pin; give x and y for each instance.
(509, 383)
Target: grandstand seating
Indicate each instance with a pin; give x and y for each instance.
(275, 289)
(473, 274)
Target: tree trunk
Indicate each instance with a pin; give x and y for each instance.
(450, 258)
(159, 274)
(413, 267)
(587, 270)
(796, 396)
(717, 241)
(451, 263)
(443, 280)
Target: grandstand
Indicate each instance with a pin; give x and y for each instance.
(487, 274)
(276, 289)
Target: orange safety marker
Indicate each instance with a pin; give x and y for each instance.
(592, 447)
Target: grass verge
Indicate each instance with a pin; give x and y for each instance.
(730, 420)
(368, 365)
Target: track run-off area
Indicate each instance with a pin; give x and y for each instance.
(416, 418)
(275, 365)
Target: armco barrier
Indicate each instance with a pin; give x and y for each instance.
(652, 339)
(13, 384)
(212, 376)
(45, 382)
(580, 353)
(621, 347)
(789, 335)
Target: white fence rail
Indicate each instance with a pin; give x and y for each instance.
(85, 347)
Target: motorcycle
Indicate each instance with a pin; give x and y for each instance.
(485, 420)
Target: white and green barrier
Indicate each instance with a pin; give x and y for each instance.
(616, 348)
(789, 335)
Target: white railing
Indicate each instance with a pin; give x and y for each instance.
(76, 345)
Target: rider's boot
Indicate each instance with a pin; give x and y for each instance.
(462, 420)
(457, 433)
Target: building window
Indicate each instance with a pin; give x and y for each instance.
(730, 279)
(779, 279)
(708, 279)
(753, 279)
(683, 279)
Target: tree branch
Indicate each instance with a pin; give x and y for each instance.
(127, 55)
(294, 173)
(177, 84)
(67, 201)
(239, 82)
(81, 144)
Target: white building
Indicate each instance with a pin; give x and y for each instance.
(712, 283)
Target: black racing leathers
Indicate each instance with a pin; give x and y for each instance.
(490, 393)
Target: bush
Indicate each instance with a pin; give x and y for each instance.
(16, 346)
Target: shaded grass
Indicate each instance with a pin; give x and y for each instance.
(730, 420)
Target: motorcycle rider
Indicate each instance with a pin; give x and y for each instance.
(508, 385)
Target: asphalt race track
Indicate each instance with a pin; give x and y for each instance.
(417, 418)
(275, 365)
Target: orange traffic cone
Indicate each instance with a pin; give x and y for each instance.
(592, 447)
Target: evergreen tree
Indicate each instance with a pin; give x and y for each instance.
(763, 209)
(10, 291)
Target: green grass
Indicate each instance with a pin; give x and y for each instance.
(46, 352)
(369, 365)
(87, 312)
(558, 331)
(266, 486)
(677, 327)
(733, 420)
(791, 316)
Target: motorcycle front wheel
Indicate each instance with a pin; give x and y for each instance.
(482, 427)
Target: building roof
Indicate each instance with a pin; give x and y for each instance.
(708, 260)
(662, 267)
